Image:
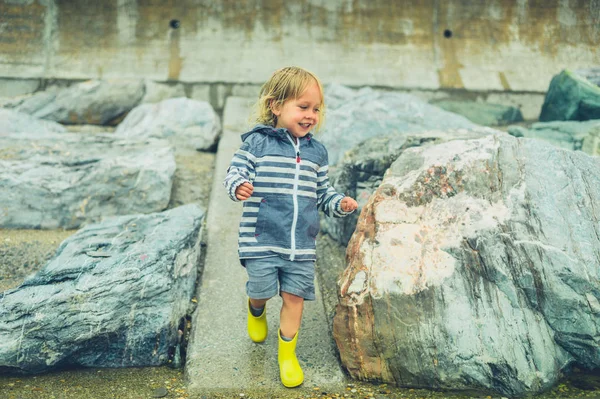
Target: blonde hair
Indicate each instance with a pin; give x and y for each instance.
(285, 83)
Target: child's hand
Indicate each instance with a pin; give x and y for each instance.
(244, 191)
(348, 204)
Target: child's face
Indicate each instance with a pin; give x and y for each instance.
(300, 115)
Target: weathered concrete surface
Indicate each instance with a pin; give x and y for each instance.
(63, 180)
(476, 264)
(115, 294)
(221, 357)
(18, 87)
(591, 143)
(157, 92)
(488, 45)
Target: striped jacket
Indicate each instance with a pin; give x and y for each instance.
(290, 185)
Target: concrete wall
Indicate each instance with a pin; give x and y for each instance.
(498, 45)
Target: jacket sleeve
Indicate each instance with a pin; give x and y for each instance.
(241, 170)
(328, 200)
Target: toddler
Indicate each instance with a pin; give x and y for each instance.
(280, 172)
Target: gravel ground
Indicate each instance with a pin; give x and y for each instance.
(23, 252)
(193, 178)
(157, 382)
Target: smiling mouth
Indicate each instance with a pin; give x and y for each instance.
(306, 125)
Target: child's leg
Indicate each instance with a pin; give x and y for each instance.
(258, 303)
(262, 280)
(297, 285)
(297, 282)
(261, 285)
(291, 314)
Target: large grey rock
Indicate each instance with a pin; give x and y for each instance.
(486, 114)
(573, 95)
(476, 265)
(17, 122)
(564, 134)
(50, 181)
(115, 294)
(16, 101)
(95, 102)
(183, 121)
(356, 115)
(361, 170)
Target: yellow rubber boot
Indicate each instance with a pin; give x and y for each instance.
(290, 371)
(257, 326)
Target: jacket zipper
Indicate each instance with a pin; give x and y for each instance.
(295, 197)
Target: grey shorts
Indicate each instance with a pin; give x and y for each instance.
(264, 274)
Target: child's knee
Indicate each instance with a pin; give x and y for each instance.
(291, 298)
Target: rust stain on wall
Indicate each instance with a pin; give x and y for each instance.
(175, 60)
(449, 48)
(503, 81)
(449, 72)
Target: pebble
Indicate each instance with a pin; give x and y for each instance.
(160, 392)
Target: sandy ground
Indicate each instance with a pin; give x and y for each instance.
(23, 252)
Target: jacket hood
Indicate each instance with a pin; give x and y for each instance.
(280, 133)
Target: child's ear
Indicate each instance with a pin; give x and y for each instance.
(275, 107)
